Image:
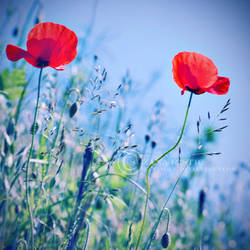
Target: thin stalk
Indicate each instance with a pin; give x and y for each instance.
(168, 212)
(28, 161)
(87, 235)
(154, 162)
(163, 208)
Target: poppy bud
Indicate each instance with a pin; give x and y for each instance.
(33, 175)
(98, 204)
(17, 209)
(72, 110)
(10, 128)
(37, 20)
(165, 240)
(139, 161)
(6, 146)
(147, 138)
(34, 128)
(153, 144)
(202, 197)
(15, 32)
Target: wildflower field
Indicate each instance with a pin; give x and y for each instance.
(84, 166)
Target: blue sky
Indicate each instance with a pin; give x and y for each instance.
(143, 36)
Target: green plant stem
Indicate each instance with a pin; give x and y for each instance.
(28, 162)
(87, 235)
(168, 212)
(154, 162)
(163, 208)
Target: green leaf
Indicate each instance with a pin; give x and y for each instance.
(14, 93)
(107, 245)
(12, 82)
(16, 78)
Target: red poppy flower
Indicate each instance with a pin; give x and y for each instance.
(48, 44)
(197, 73)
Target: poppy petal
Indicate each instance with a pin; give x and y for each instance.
(54, 44)
(60, 68)
(220, 87)
(15, 53)
(193, 71)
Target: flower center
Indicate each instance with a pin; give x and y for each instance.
(195, 91)
(40, 62)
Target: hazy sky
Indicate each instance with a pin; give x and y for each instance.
(143, 36)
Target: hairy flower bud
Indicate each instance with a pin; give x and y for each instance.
(202, 197)
(153, 144)
(147, 138)
(165, 240)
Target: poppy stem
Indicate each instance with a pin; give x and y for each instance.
(34, 128)
(168, 213)
(153, 163)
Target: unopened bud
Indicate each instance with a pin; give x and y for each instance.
(202, 197)
(34, 128)
(153, 144)
(98, 204)
(165, 240)
(72, 110)
(15, 32)
(147, 138)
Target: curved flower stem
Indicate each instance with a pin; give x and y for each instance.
(168, 212)
(28, 162)
(154, 162)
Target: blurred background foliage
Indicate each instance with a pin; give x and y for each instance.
(87, 178)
